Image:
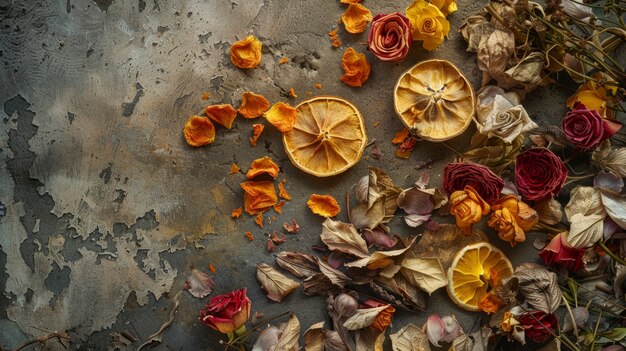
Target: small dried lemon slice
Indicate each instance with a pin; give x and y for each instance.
(327, 138)
(473, 271)
(434, 100)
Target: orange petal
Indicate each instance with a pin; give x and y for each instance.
(400, 136)
(356, 67)
(292, 93)
(236, 213)
(356, 18)
(282, 192)
(279, 207)
(257, 129)
(212, 268)
(334, 38)
(199, 131)
(259, 196)
(259, 219)
(249, 236)
(263, 165)
(222, 114)
(318, 86)
(283, 60)
(349, 1)
(253, 105)
(246, 53)
(323, 205)
(282, 116)
(233, 168)
(205, 96)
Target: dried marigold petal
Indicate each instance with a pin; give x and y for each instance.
(205, 96)
(279, 207)
(318, 86)
(323, 205)
(356, 18)
(259, 219)
(199, 131)
(259, 196)
(282, 116)
(400, 136)
(253, 105)
(282, 192)
(249, 236)
(212, 268)
(356, 67)
(236, 213)
(257, 129)
(334, 37)
(292, 93)
(246, 53)
(222, 114)
(263, 165)
(349, 1)
(283, 60)
(233, 168)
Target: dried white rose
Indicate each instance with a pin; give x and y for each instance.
(499, 114)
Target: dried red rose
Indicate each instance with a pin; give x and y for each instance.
(538, 325)
(586, 129)
(227, 313)
(539, 173)
(486, 183)
(390, 36)
(558, 252)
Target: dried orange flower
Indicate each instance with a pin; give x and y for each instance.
(253, 105)
(246, 53)
(468, 208)
(279, 207)
(249, 236)
(282, 192)
(490, 303)
(257, 129)
(292, 93)
(199, 131)
(222, 114)
(283, 60)
(236, 213)
(259, 219)
(349, 1)
(400, 136)
(356, 18)
(356, 67)
(259, 196)
(263, 165)
(233, 168)
(318, 86)
(205, 96)
(282, 116)
(334, 38)
(323, 205)
(212, 268)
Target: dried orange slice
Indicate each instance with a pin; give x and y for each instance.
(474, 271)
(434, 100)
(327, 138)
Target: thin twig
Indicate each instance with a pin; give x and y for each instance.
(158, 336)
(43, 339)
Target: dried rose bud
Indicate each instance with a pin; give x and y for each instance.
(345, 305)
(390, 37)
(333, 341)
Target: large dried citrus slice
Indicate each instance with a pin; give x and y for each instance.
(434, 100)
(327, 138)
(474, 271)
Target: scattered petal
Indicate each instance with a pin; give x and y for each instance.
(199, 284)
(236, 213)
(249, 236)
(257, 129)
(279, 207)
(282, 116)
(205, 96)
(282, 192)
(233, 168)
(263, 165)
(334, 38)
(253, 105)
(277, 239)
(357, 69)
(212, 268)
(292, 93)
(259, 219)
(400, 136)
(283, 60)
(323, 205)
(356, 18)
(223, 114)
(318, 85)
(259, 196)
(246, 53)
(199, 131)
(291, 228)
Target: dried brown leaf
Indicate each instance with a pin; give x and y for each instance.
(276, 284)
(425, 273)
(291, 334)
(363, 317)
(364, 217)
(540, 288)
(613, 160)
(410, 338)
(369, 339)
(318, 284)
(615, 206)
(299, 264)
(343, 237)
(476, 341)
(586, 214)
(378, 256)
(335, 276)
(314, 337)
(494, 51)
(549, 211)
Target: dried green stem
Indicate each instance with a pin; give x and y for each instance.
(611, 254)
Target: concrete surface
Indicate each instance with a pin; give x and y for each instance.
(108, 209)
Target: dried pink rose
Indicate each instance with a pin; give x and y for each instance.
(390, 36)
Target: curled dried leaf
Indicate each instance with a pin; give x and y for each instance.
(343, 237)
(410, 338)
(314, 337)
(223, 114)
(323, 205)
(246, 53)
(199, 131)
(290, 335)
(276, 284)
(292, 227)
(299, 264)
(282, 116)
(425, 273)
(263, 165)
(540, 288)
(363, 317)
(356, 18)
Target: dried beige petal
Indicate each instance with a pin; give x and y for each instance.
(291, 334)
(276, 284)
(425, 273)
(410, 338)
(528, 70)
(343, 237)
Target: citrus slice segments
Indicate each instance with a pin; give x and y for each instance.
(434, 100)
(327, 138)
(473, 271)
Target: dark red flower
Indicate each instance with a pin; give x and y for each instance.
(559, 253)
(538, 325)
(539, 173)
(227, 313)
(456, 176)
(390, 36)
(586, 129)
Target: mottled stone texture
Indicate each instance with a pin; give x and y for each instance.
(108, 209)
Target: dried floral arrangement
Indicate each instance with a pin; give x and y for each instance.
(509, 179)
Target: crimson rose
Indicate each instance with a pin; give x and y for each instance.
(538, 325)
(390, 36)
(559, 253)
(227, 313)
(586, 129)
(539, 173)
(486, 183)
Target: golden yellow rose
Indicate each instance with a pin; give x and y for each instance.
(595, 95)
(468, 208)
(428, 22)
(512, 219)
(446, 6)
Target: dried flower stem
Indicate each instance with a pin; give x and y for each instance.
(610, 253)
(43, 339)
(571, 314)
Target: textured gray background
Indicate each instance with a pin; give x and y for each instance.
(108, 209)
